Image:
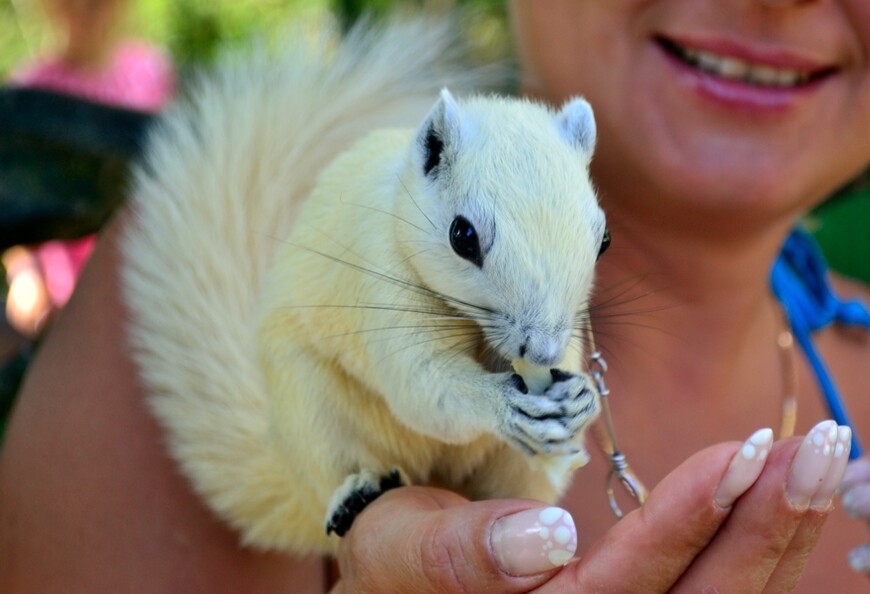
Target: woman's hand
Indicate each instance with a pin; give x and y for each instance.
(732, 518)
(855, 492)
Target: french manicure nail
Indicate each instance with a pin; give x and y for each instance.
(745, 467)
(534, 541)
(857, 472)
(856, 501)
(859, 559)
(811, 463)
(823, 497)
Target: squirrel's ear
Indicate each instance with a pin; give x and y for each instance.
(577, 124)
(440, 129)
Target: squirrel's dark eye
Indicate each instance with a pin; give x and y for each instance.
(605, 243)
(464, 241)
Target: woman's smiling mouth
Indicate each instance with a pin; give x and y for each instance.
(739, 69)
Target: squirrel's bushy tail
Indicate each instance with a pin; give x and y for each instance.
(214, 195)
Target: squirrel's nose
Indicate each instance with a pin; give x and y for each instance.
(545, 351)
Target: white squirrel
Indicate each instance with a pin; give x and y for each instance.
(301, 365)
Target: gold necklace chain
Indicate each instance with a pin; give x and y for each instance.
(785, 342)
(605, 432)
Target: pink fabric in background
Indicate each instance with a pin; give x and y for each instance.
(138, 77)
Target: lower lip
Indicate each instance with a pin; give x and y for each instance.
(735, 94)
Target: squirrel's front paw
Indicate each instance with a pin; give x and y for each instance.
(548, 423)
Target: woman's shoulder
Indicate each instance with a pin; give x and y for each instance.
(851, 340)
(849, 288)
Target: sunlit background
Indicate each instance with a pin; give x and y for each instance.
(192, 30)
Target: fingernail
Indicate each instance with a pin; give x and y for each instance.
(744, 468)
(859, 558)
(534, 541)
(823, 497)
(857, 472)
(856, 501)
(811, 463)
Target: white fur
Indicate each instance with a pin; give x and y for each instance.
(276, 384)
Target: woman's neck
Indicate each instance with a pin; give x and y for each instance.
(689, 329)
(691, 306)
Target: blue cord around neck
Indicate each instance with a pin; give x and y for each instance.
(800, 281)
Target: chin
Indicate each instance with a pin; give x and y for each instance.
(686, 185)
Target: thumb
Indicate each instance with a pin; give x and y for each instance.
(417, 539)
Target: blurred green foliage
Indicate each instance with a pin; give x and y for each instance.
(842, 228)
(191, 30)
(194, 30)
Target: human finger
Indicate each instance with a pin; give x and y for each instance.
(855, 489)
(769, 533)
(678, 520)
(791, 565)
(427, 540)
(859, 559)
(855, 493)
(857, 473)
(856, 501)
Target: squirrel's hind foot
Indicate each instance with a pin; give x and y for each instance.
(355, 493)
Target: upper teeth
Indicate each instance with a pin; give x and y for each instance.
(734, 68)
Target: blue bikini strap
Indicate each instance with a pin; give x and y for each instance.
(800, 281)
